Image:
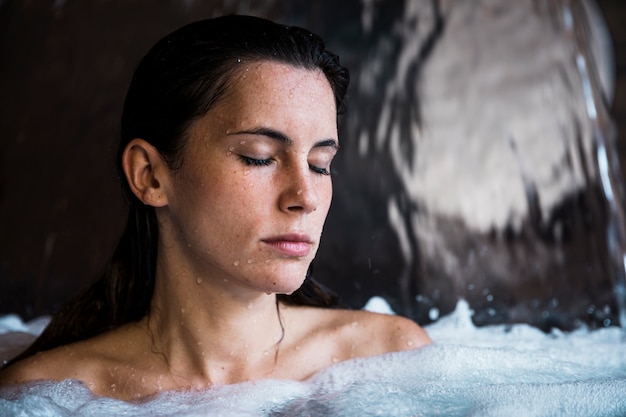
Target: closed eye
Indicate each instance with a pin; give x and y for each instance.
(254, 162)
(318, 170)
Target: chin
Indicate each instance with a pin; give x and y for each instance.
(289, 283)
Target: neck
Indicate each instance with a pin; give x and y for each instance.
(220, 337)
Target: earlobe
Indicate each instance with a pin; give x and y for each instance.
(145, 169)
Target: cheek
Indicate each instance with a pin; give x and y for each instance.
(325, 192)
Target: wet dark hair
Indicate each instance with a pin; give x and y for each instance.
(179, 80)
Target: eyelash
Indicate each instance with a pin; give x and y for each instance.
(265, 162)
(322, 171)
(255, 162)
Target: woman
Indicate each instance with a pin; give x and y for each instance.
(228, 133)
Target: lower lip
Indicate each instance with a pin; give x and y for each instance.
(291, 248)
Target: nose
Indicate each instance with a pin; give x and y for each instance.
(299, 193)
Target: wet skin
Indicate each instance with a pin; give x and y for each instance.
(239, 221)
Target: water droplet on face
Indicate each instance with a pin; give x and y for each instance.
(299, 192)
(250, 261)
(182, 311)
(243, 142)
(334, 360)
(236, 263)
(238, 59)
(198, 280)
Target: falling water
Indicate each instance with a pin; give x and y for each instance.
(474, 142)
(576, 18)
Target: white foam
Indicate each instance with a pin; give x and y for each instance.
(468, 371)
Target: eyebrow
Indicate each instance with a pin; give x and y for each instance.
(281, 137)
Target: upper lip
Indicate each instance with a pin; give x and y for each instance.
(290, 237)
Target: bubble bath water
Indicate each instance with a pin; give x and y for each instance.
(469, 371)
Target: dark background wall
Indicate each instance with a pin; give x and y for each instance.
(64, 69)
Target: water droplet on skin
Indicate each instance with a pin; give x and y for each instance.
(250, 261)
(198, 280)
(236, 263)
(334, 360)
(299, 192)
(250, 306)
(238, 59)
(409, 343)
(182, 311)
(243, 142)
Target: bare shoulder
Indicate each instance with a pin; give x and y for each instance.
(56, 364)
(357, 333)
(387, 333)
(87, 361)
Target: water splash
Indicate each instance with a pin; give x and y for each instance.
(490, 371)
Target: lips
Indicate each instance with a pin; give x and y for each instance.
(292, 245)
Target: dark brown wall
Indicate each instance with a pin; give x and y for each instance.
(63, 77)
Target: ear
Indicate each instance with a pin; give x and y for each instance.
(145, 170)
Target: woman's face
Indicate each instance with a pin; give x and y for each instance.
(247, 206)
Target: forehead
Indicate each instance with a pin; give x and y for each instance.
(297, 102)
(274, 85)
